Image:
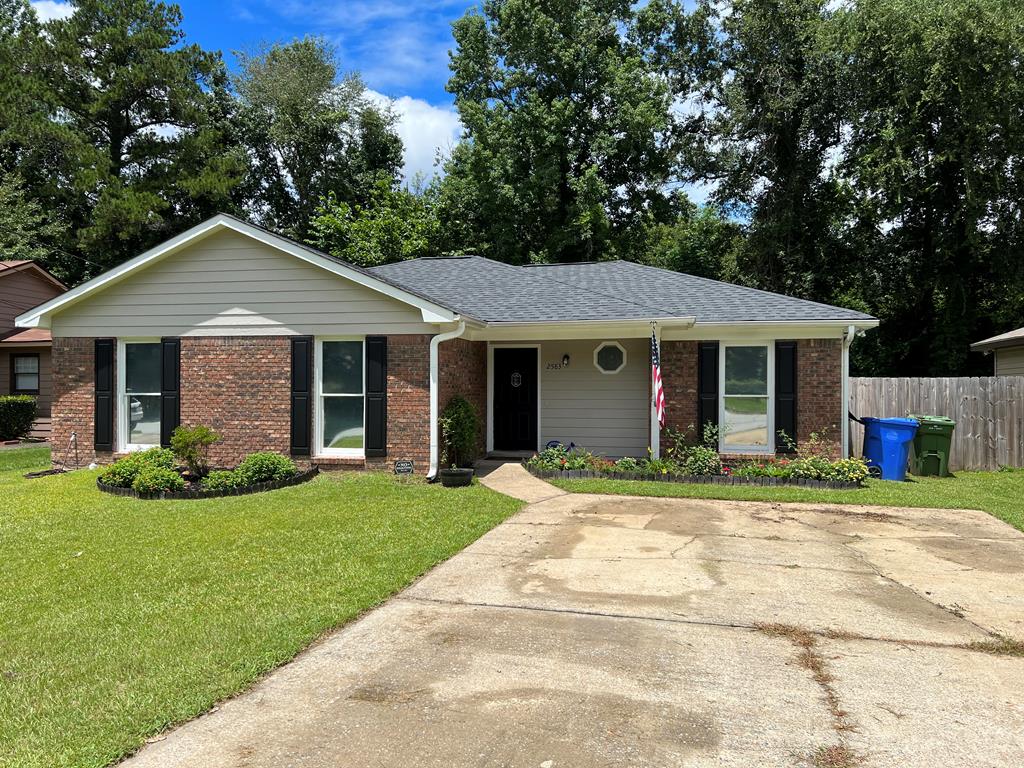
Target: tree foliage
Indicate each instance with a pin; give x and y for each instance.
(310, 137)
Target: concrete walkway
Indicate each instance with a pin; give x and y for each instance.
(614, 631)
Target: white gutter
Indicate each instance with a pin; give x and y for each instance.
(435, 343)
(845, 396)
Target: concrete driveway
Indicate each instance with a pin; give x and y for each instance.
(612, 631)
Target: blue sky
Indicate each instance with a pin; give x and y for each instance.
(399, 46)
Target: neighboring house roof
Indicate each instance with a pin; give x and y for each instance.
(26, 336)
(1008, 339)
(607, 290)
(20, 265)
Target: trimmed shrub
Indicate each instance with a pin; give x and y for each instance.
(221, 480)
(264, 467)
(122, 473)
(191, 445)
(152, 479)
(17, 412)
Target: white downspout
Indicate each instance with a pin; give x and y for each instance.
(435, 343)
(844, 416)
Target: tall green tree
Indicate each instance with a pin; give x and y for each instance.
(936, 156)
(130, 144)
(19, 29)
(25, 230)
(568, 140)
(769, 112)
(310, 136)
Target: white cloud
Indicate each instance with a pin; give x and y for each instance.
(424, 129)
(48, 10)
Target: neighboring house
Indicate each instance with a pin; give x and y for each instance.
(1007, 351)
(25, 354)
(281, 347)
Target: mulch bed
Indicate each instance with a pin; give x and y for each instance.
(586, 474)
(199, 493)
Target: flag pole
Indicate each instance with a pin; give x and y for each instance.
(655, 429)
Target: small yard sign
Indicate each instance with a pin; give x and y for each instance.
(403, 467)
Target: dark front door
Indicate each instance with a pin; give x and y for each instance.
(515, 399)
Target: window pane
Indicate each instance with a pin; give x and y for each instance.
(26, 364)
(343, 422)
(26, 382)
(343, 367)
(141, 367)
(609, 358)
(746, 370)
(746, 422)
(143, 419)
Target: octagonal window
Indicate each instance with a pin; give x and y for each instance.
(610, 357)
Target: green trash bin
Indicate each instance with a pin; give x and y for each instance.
(931, 445)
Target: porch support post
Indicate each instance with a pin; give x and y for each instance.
(655, 426)
(844, 432)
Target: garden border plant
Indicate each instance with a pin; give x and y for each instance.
(157, 473)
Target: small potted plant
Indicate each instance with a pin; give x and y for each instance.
(458, 425)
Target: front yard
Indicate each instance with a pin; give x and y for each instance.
(1001, 494)
(120, 617)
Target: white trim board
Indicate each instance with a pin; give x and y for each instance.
(40, 316)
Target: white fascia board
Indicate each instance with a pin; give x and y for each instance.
(39, 317)
(792, 329)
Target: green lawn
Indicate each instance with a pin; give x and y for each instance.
(999, 493)
(120, 617)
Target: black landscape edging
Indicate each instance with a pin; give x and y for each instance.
(587, 474)
(272, 485)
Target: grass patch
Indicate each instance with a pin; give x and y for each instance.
(1000, 646)
(29, 458)
(998, 493)
(121, 617)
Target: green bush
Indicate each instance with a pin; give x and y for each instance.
(264, 467)
(221, 480)
(154, 479)
(701, 460)
(627, 464)
(122, 473)
(458, 424)
(17, 412)
(191, 445)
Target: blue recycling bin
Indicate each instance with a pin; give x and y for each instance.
(887, 444)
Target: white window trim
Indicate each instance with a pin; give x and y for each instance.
(601, 346)
(121, 411)
(318, 409)
(751, 449)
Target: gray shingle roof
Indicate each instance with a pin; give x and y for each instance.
(610, 290)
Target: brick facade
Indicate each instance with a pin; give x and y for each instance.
(74, 382)
(241, 387)
(819, 387)
(408, 402)
(462, 366)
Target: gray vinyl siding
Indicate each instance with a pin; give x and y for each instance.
(230, 285)
(1010, 361)
(608, 414)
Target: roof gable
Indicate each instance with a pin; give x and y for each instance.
(41, 315)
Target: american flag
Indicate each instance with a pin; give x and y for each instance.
(656, 388)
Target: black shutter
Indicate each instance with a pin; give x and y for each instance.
(170, 389)
(707, 385)
(302, 396)
(785, 393)
(103, 416)
(376, 395)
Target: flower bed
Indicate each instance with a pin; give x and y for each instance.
(156, 473)
(702, 464)
(204, 493)
(728, 479)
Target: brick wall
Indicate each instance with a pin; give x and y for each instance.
(408, 402)
(819, 388)
(462, 368)
(679, 379)
(74, 380)
(241, 387)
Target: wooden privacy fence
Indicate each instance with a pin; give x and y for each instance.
(989, 414)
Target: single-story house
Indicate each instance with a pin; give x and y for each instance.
(281, 347)
(1007, 351)
(25, 353)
